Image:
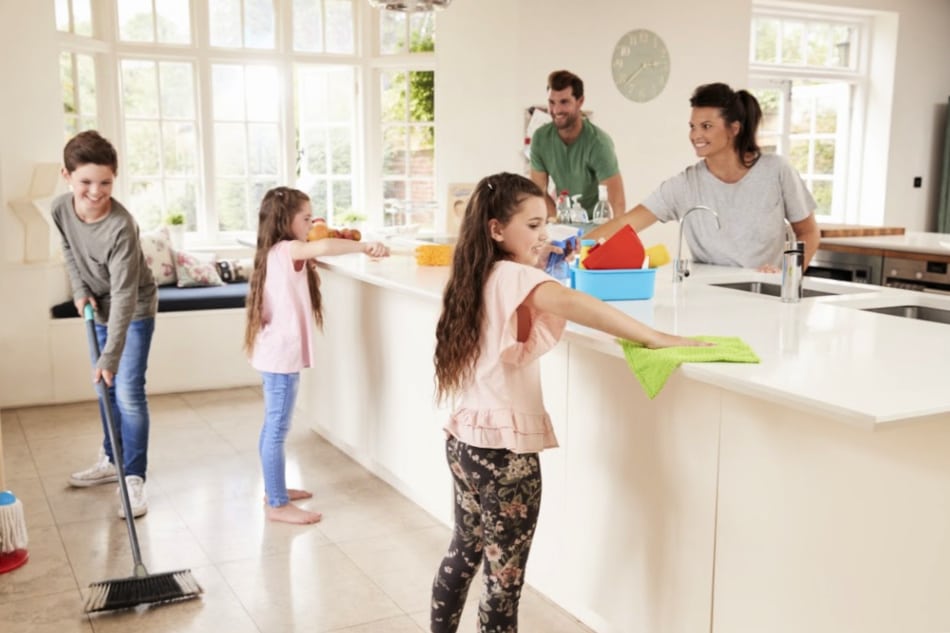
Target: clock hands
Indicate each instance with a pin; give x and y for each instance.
(639, 70)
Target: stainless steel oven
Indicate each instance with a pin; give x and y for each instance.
(854, 267)
(918, 274)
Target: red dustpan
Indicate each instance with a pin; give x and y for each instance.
(623, 250)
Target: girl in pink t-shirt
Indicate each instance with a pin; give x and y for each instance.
(282, 306)
(500, 313)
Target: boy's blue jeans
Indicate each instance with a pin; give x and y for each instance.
(280, 394)
(127, 395)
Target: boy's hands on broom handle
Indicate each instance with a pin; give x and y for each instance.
(97, 374)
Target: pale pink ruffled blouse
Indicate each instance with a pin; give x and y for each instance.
(502, 407)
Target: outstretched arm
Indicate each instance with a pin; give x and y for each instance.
(333, 246)
(638, 218)
(584, 309)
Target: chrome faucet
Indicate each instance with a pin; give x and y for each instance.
(793, 266)
(680, 265)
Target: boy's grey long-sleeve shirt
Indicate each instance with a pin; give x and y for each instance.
(104, 260)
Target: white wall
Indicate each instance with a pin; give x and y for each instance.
(494, 57)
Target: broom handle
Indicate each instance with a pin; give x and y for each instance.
(103, 391)
(3, 479)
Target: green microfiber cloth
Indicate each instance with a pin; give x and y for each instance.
(652, 367)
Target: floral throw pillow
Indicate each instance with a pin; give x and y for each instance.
(234, 270)
(193, 271)
(158, 255)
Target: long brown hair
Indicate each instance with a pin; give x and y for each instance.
(463, 303)
(734, 106)
(274, 221)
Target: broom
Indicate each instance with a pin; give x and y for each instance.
(141, 587)
(13, 539)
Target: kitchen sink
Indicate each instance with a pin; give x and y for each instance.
(765, 288)
(922, 313)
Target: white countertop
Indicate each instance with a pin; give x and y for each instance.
(915, 242)
(821, 355)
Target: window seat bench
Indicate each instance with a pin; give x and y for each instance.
(175, 299)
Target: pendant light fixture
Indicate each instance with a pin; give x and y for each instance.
(409, 6)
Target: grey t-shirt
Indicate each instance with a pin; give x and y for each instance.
(104, 260)
(751, 211)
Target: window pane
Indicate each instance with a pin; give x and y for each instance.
(86, 72)
(177, 90)
(422, 156)
(312, 93)
(82, 18)
(821, 191)
(258, 189)
(145, 201)
(766, 40)
(224, 17)
(263, 150)
(844, 40)
(792, 42)
(259, 23)
(341, 106)
(227, 84)
(262, 93)
(181, 197)
(395, 190)
(318, 198)
(308, 26)
(180, 145)
(826, 116)
(229, 149)
(143, 144)
(67, 84)
(393, 87)
(230, 201)
(392, 32)
(824, 157)
(394, 151)
(340, 26)
(422, 36)
(342, 198)
(422, 95)
(314, 145)
(819, 44)
(798, 155)
(139, 88)
(340, 150)
(770, 100)
(62, 15)
(174, 21)
(135, 20)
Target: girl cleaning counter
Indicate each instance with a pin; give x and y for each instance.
(719, 504)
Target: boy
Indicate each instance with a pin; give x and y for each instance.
(108, 270)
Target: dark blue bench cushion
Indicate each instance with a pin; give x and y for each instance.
(174, 299)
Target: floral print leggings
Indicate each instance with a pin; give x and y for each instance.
(497, 500)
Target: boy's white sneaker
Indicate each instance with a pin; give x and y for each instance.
(138, 500)
(102, 472)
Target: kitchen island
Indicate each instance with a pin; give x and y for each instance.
(805, 493)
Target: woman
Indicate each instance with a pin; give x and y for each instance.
(753, 193)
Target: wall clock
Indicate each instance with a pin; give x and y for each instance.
(640, 65)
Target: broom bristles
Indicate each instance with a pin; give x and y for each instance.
(125, 593)
(12, 527)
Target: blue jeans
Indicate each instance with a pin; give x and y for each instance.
(280, 394)
(127, 395)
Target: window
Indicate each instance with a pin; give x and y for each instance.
(806, 71)
(408, 121)
(217, 101)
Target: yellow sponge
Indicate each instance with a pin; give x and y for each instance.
(434, 255)
(658, 255)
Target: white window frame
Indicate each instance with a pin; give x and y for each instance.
(846, 181)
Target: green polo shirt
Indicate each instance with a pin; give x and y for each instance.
(578, 167)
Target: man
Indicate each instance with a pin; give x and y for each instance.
(573, 151)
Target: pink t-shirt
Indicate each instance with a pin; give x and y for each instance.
(502, 407)
(284, 341)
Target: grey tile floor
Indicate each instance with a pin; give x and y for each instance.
(366, 568)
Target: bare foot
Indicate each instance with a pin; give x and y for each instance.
(295, 495)
(289, 513)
